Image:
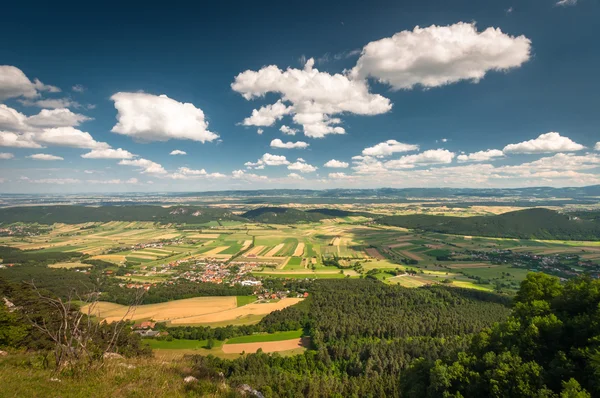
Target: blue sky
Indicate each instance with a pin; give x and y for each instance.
(377, 94)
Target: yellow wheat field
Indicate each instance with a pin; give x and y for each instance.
(299, 250)
(239, 312)
(170, 311)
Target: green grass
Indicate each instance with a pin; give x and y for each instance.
(264, 337)
(180, 344)
(243, 300)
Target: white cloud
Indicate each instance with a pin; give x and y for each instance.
(295, 176)
(481, 156)
(339, 176)
(14, 83)
(545, 143)
(178, 152)
(56, 118)
(267, 115)
(108, 153)
(268, 160)
(432, 156)
(277, 143)
(148, 117)
(69, 137)
(440, 55)
(597, 146)
(242, 175)
(183, 173)
(388, 148)
(566, 3)
(314, 95)
(78, 88)
(12, 120)
(6, 155)
(25, 140)
(301, 166)
(145, 166)
(336, 164)
(288, 130)
(44, 156)
(260, 131)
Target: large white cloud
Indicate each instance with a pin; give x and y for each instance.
(148, 117)
(597, 146)
(277, 143)
(432, 156)
(267, 115)
(440, 55)
(388, 148)
(44, 156)
(108, 153)
(336, 164)
(145, 166)
(480, 156)
(545, 143)
(14, 83)
(314, 95)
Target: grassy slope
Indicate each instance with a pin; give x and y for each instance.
(22, 376)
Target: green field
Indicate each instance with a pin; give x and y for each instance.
(264, 337)
(243, 300)
(181, 344)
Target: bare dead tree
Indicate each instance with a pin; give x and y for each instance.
(75, 328)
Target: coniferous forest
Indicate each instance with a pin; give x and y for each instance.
(373, 340)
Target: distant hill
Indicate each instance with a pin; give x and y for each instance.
(523, 224)
(83, 214)
(282, 215)
(285, 215)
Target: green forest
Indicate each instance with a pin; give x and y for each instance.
(523, 224)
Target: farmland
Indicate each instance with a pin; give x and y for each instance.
(193, 311)
(342, 247)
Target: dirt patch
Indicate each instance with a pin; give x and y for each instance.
(372, 252)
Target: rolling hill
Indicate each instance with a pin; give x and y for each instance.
(524, 224)
(83, 214)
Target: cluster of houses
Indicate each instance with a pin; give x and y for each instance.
(146, 329)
